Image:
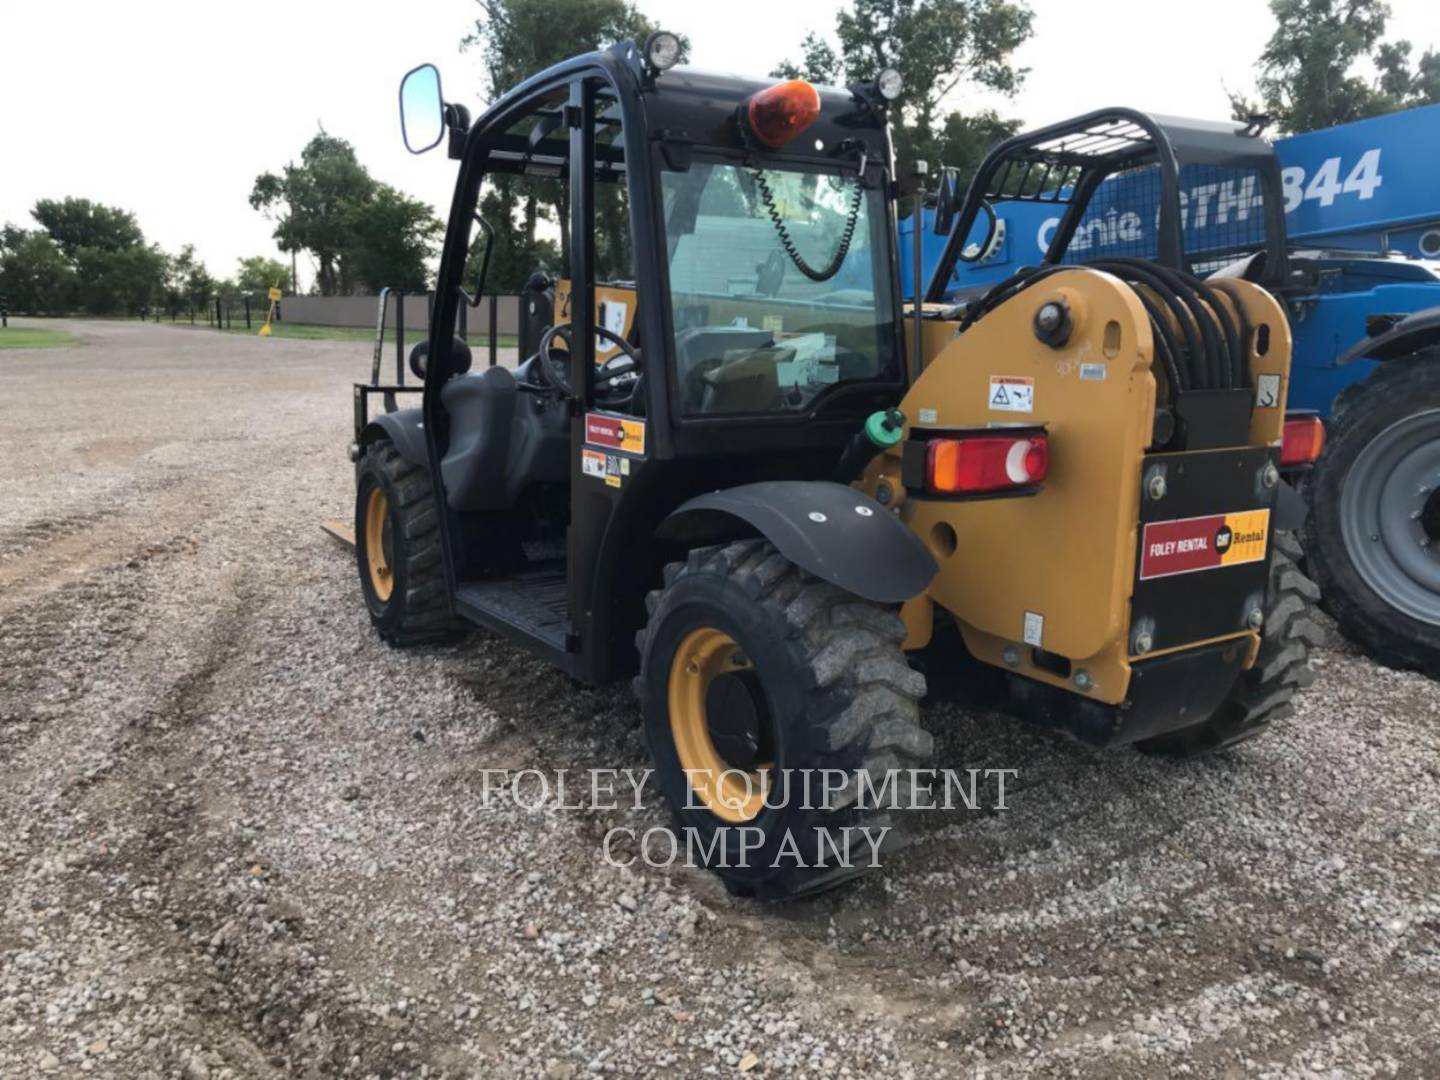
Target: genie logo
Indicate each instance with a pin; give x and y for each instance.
(1110, 226)
(1125, 209)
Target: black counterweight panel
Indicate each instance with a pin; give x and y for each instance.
(1204, 547)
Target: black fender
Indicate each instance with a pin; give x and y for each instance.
(1417, 331)
(835, 532)
(403, 427)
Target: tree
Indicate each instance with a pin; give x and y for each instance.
(200, 287)
(360, 231)
(35, 276)
(259, 273)
(89, 256)
(392, 239)
(938, 46)
(79, 223)
(187, 283)
(126, 280)
(114, 270)
(516, 39)
(1307, 73)
(312, 203)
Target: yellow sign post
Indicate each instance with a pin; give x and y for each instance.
(275, 295)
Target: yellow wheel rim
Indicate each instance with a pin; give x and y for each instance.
(377, 516)
(731, 794)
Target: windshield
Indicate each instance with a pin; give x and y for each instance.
(779, 286)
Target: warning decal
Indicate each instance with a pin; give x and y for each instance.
(592, 463)
(1011, 393)
(616, 432)
(612, 468)
(1203, 543)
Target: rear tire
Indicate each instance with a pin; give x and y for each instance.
(397, 550)
(1264, 692)
(790, 675)
(1375, 563)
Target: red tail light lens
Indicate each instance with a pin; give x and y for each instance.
(779, 113)
(986, 463)
(1304, 439)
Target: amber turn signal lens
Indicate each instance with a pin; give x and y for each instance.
(778, 113)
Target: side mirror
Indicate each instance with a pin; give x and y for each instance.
(422, 109)
(945, 207)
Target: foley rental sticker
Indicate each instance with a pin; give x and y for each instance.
(615, 432)
(1203, 543)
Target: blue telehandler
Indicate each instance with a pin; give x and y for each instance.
(1361, 285)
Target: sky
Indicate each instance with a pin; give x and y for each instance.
(170, 109)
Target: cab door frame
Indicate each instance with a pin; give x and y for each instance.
(617, 72)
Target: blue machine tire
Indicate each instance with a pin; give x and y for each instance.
(1372, 542)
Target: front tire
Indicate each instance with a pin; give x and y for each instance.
(397, 549)
(1265, 692)
(1373, 538)
(754, 677)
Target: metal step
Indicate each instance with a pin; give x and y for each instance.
(531, 604)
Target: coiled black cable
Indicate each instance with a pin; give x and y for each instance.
(841, 250)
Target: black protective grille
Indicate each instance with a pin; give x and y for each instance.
(1048, 171)
(1221, 207)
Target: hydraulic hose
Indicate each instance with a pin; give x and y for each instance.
(1198, 344)
(1220, 342)
(1166, 343)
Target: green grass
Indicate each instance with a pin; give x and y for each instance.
(15, 337)
(314, 332)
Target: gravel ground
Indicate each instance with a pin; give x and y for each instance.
(241, 837)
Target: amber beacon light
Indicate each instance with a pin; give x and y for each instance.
(778, 113)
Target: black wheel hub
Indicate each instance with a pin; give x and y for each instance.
(1430, 516)
(739, 719)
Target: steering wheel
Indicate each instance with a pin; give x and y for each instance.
(556, 372)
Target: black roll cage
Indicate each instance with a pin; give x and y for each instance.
(1065, 163)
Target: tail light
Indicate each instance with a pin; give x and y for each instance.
(979, 464)
(1303, 440)
(778, 113)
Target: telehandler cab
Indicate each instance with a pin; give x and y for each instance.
(719, 472)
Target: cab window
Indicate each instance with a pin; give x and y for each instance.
(779, 286)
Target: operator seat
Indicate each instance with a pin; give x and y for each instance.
(502, 440)
(505, 437)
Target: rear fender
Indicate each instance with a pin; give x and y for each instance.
(835, 532)
(404, 428)
(1407, 337)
